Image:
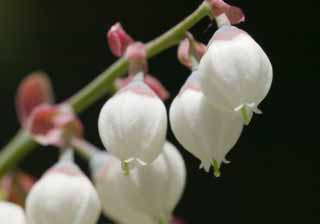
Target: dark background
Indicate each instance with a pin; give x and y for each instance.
(272, 177)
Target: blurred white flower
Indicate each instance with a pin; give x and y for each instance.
(11, 213)
(235, 73)
(148, 195)
(206, 132)
(133, 124)
(64, 195)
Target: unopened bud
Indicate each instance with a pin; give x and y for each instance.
(33, 91)
(118, 40)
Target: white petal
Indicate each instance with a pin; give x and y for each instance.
(11, 213)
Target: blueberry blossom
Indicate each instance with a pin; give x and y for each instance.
(133, 124)
(63, 195)
(148, 195)
(206, 132)
(235, 73)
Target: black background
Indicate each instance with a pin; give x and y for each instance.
(272, 177)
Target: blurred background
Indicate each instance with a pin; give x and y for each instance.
(272, 177)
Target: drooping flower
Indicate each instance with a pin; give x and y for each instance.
(206, 132)
(148, 195)
(133, 124)
(235, 73)
(63, 195)
(11, 213)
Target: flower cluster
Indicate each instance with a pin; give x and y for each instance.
(141, 177)
(230, 77)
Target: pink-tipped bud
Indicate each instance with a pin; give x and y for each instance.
(54, 125)
(234, 14)
(34, 90)
(151, 81)
(118, 40)
(136, 54)
(189, 48)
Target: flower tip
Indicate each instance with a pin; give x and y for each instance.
(216, 168)
(217, 173)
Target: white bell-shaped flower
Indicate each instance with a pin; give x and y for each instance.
(133, 124)
(235, 73)
(64, 195)
(205, 131)
(148, 195)
(11, 213)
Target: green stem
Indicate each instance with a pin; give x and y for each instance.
(21, 145)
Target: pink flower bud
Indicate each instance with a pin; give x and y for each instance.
(136, 54)
(118, 40)
(34, 90)
(189, 48)
(54, 125)
(234, 14)
(151, 81)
